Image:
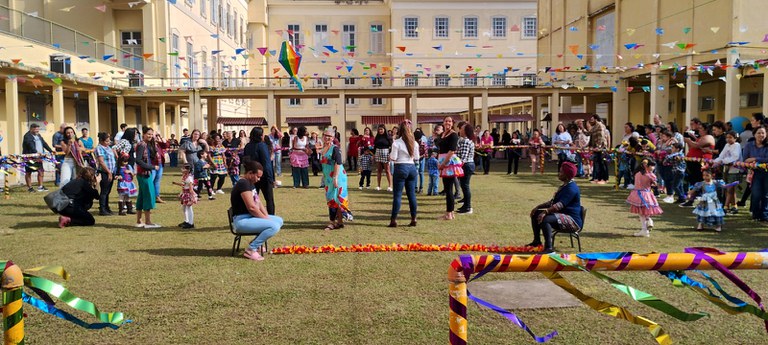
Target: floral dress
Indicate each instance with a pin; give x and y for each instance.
(336, 197)
(217, 158)
(641, 200)
(188, 197)
(709, 210)
(126, 186)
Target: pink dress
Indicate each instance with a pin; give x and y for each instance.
(641, 200)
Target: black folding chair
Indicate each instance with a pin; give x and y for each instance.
(575, 234)
(236, 242)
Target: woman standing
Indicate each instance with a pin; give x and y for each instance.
(219, 160)
(405, 151)
(466, 150)
(513, 154)
(314, 158)
(82, 191)
(421, 141)
(381, 144)
(86, 140)
(486, 145)
(352, 152)
(277, 150)
(562, 139)
(335, 180)
(243, 138)
(73, 156)
(447, 146)
(249, 215)
(106, 163)
(366, 140)
(756, 152)
(259, 151)
(145, 201)
(300, 158)
(190, 148)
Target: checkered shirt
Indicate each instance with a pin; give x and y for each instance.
(466, 150)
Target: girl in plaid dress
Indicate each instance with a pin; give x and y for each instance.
(188, 197)
(218, 164)
(382, 143)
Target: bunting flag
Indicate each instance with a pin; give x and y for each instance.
(101, 8)
(331, 49)
(147, 55)
(107, 57)
(401, 48)
(238, 51)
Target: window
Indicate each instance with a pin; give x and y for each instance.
(707, 103)
(320, 38)
(377, 101)
(294, 101)
(441, 27)
(348, 39)
(377, 39)
(470, 79)
(321, 82)
(442, 79)
(377, 82)
(411, 27)
(175, 59)
(36, 105)
(203, 7)
(321, 101)
(349, 81)
(243, 30)
(81, 112)
(189, 2)
(604, 40)
(294, 34)
(499, 79)
(191, 64)
(411, 80)
(214, 11)
(235, 27)
(222, 18)
(751, 100)
(530, 29)
(130, 41)
(351, 101)
(470, 27)
(229, 21)
(499, 27)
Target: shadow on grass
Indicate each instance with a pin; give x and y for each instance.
(38, 224)
(191, 252)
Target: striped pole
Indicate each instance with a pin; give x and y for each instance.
(13, 314)
(457, 289)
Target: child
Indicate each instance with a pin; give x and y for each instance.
(126, 188)
(625, 166)
(201, 175)
(188, 197)
(730, 154)
(535, 150)
(434, 174)
(709, 210)
(366, 161)
(676, 161)
(641, 200)
(233, 168)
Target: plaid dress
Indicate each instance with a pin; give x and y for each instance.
(188, 197)
(217, 158)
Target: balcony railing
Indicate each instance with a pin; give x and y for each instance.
(43, 31)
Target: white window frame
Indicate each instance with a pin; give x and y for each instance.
(377, 39)
(296, 39)
(294, 102)
(175, 72)
(467, 33)
(320, 35)
(349, 36)
(214, 12)
(499, 32)
(499, 79)
(442, 79)
(203, 8)
(441, 30)
(190, 56)
(229, 20)
(321, 102)
(134, 44)
(349, 81)
(322, 82)
(411, 80)
(377, 81)
(351, 101)
(412, 31)
(529, 33)
(235, 27)
(377, 102)
(469, 79)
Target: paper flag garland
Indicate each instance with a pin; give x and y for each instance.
(101, 8)
(290, 59)
(402, 49)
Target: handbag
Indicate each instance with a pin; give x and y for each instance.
(57, 200)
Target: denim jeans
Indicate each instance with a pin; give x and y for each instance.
(579, 165)
(677, 184)
(277, 163)
(300, 176)
(404, 176)
(67, 171)
(420, 169)
(759, 203)
(174, 159)
(469, 170)
(626, 175)
(434, 184)
(601, 169)
(105, 188)
(263, 228)
(352, 163)
(667, 175)
(157, 177)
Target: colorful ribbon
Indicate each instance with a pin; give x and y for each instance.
(408, 247)
(63, 294)
(51, 309)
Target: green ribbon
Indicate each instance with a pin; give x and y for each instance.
(638, 295)
(70, 299)
(717, 300)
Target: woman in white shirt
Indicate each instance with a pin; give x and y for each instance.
(731, 154)
(404, 152)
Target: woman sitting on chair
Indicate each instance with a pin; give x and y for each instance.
(249, 214)
(563, 212)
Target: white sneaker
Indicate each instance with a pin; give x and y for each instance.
(642, 233)
(152, 226)
(139, 225)
(378, 188)
(219, 191)
(650, 224)
(389, 189)
(630, 186)
(360, 188)
(669, 200)
(369, 187)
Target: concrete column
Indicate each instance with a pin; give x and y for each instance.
(13, 123)
(407, 101)
(554, 109)
(484, 111)
(144, 115)
(163, 130)
(414, 109)
(471, 113)
(271, 118)
(590, 104)
(732, 89)
(691, 96)
(58, 105)
(565, 104)
(659, 95)
(213, 113)
(342, 116)
(120, 110)
(278, 112)
(620, 111)
(93, 111)
(177, 118)
(195, 111)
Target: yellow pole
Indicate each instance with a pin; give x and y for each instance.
(12, 282)
(457, 289)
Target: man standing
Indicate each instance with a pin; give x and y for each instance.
(598, 143)
(184, 137)
(33, 143)
(58, 137)
(119, 134)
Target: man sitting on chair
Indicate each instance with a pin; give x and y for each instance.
(563, 212)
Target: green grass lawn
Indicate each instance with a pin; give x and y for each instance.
(182, 286)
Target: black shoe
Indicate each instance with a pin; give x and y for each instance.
(688, 203)
(181, 225)
(741, 204)
(188, 226)
(441, 193)
(465, 211)
(104, 213)
(457, 197)
(461, 201)
(548, 250)
(533, 244)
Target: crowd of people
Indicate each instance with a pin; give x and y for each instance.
(702, 166)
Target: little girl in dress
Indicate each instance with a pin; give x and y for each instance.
(188, 197)
(641, 200)
(709, 210)
(126, 188)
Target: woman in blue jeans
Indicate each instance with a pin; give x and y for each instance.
(405, 150)
(756, 152)
(421, 141)
(466, 152)
(249, 214)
